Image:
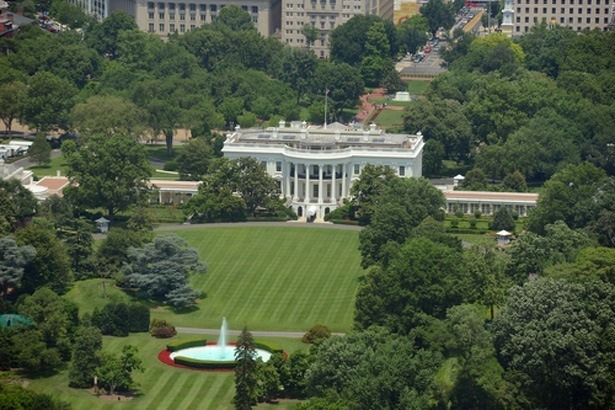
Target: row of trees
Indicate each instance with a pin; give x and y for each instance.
(531, 106)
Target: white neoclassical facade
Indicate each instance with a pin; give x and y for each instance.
(316, 166)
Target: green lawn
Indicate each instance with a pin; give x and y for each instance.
(390, 118)
(266, 278)
(274, 278)
(161, 386)
(57, 163)
(417, 87)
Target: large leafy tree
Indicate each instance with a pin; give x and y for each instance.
(411, 34)
(246, 371)
(12, 97)
(160, 270)
(438, 14)
(103, 37)
(194, 159)
(40, 150)
(13, 259)
(422, 277)
(573, 363)
(234, 18)
(110, 172)
(17, 204)
(86, 357)
(48, 102)
(108, 115)
(115, 373)
(51, 265)
(571, 195)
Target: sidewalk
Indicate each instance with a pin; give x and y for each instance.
(367, 107)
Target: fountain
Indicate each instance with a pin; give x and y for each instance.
(215, 354)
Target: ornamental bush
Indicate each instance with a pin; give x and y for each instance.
(162, 329)
(316, 333)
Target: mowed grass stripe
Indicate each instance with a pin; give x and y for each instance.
(205, 399)
(258, 275)
(162, 382)
(223, 397)
(195, 390)
(173, 390)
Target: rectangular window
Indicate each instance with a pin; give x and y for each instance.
(402, 171)
(254, 9)
(182, 16)
(182, 28)
(151, 28)
(160, 6)
(278, 166)
(161, 27)
(203, 17)
(192, 26)
(244, 8)
(357, 169)
(171, 27)
(161, 15)
(315, 190)
(171, 16)
(150, 15)
(213, 7)
(192, 7)
(150, 4)
(182, 6)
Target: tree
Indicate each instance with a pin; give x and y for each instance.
(109, 115)
(411, 34)
(433, 154)
(112, 252)
(366, 192)
(103, 37)
(515, 182)
(194, 159)
(17, 204)
(160, 270)
(22, 398)
(12, 98)
(86, 357)
(311, 34)
(32, 353)
(13, 259)
(475, 180)
(110, 172)
(233, 18)
(568, 196)
(115, 373)
(52, 318)
(268, 381)
(51, 265)
(502, 220)
(343, 81)
(348, 41)
(245, 371)
(48, 102)
(573, 364)
(80, 247)
(438, 14)
(422, 277)
(40, 150)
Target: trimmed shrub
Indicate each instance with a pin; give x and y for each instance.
(162, 329)
(316, 333)
(171, 166)
(205, 364)
(185, 343)
(138, 317)
(270, 347)
(119, 318)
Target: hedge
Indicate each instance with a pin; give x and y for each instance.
(185, 343)
(467, 231)
(204, 364)
(270, 347)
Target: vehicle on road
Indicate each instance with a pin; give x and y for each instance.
(427, 49)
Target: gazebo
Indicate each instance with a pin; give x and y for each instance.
(503, 237)
(102, 224)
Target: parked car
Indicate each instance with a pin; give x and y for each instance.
(417, 58)
(427, 48)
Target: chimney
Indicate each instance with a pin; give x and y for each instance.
(58, 173)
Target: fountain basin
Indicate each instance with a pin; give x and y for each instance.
(215, 353)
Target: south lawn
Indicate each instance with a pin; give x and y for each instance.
(266, 278)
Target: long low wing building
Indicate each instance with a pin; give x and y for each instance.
(315, 166)
(489, 202)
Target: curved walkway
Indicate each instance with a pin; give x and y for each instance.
(259, 333)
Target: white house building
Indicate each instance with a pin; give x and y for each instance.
(315, 166)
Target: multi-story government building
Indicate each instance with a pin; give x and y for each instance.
(521, 15)
(170, 16)
(315, 166)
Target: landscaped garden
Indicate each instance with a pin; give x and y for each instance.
(265, 278)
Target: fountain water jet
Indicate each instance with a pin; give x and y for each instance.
(222, 338)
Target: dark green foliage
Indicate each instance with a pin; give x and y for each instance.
(316, 333)
(502, 219)
(40, 150)
(572, 365)
(16, 397)
(115, 373)
(292, 374)
(160, 270)
(112, 252)
(246, 371)
(49, 100)
(119, 318)
(194, 159)
(112, 173)
(17, 203)
(185, 343)
(162, 329)
(51, 265)
(373, 369)
(86, 357)
(422, 277)
(13, 259)
(514, 182)
(438, 14)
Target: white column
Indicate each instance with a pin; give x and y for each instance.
(320, 184)
(296, 181)
(333, 187)
(286, 178)
(344, 193)
(159, 197)
(307, 183)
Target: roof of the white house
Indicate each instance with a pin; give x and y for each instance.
(484, 196)
(333, 136)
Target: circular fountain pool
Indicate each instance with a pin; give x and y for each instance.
(215, 353)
